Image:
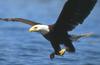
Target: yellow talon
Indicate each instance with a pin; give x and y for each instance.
(61, 52)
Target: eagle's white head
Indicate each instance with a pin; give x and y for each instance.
(44, 29)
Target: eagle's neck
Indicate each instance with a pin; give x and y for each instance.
(44, 29)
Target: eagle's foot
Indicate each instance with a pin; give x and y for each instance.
(52, 55)
(62, 51)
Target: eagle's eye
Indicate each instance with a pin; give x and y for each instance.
(35, 27)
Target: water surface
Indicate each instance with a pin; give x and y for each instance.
(20, 47)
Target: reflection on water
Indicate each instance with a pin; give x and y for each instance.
(19, 47)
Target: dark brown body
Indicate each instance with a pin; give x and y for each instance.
(59, 37)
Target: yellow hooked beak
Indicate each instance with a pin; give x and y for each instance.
(32, 30)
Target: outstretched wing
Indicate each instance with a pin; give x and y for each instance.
(74, 13)
(32, 23)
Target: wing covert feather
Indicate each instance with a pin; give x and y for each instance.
(20, 20)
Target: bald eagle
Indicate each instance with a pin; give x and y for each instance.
(73, 13)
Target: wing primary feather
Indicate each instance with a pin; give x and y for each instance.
(73, 13)
(32, 23)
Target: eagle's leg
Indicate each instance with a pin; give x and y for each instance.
(57, 49)
(68, 44)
